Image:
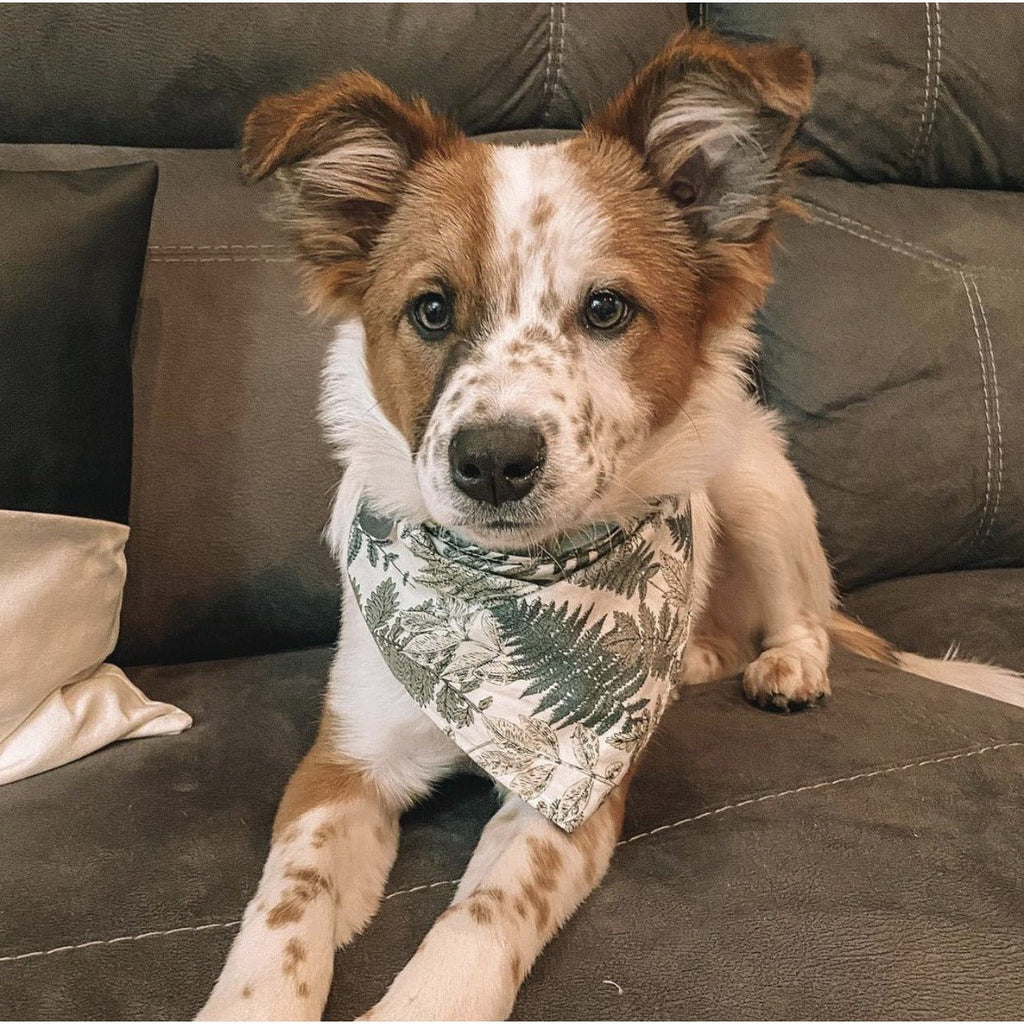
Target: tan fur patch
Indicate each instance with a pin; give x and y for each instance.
(372, 136)
(479, 911)
(289, 910)
(294, 957)
(321, 835)
(320, 779)
(436, 241)
(515, 968)
(308, 885)
(545, 861)
(655, 256)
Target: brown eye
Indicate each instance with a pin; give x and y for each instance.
(431, 315)
(606, 310)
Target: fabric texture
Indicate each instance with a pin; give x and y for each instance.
(550, 671)
(60, 594)
(188, 76)
(71, 258)
(891, 344)
(924, 94)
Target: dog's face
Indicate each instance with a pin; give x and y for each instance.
(533, 316)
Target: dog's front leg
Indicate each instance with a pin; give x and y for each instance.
(524, 880)
(769, 607)
(334, 841)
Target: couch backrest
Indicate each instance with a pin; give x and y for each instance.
(185, 75)
(921, 93)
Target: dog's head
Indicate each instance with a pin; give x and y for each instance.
(531, 318)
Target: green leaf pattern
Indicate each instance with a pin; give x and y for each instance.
(550, 672)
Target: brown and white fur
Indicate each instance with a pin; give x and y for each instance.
(667, 197)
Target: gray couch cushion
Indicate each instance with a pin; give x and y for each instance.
(921, 93)
(893, 347)
(978, 612)
(168, 75)
(863, 864)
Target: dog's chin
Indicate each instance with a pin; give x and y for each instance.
(502, 535)
(508, 528)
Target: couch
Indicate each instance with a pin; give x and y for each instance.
(860, 860)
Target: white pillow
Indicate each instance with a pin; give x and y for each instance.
(61, 579)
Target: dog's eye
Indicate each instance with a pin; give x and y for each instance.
(431, 315)
(606, 310)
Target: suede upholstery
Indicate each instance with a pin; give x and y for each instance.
(859, 860)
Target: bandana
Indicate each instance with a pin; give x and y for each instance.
(550, 672)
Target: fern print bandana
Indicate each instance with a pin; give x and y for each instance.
(550, 672)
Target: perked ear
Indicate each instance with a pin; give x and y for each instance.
(341, 150)
(713, 122)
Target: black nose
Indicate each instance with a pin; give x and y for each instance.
(496, 463)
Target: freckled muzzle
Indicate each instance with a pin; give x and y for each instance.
(497, 463)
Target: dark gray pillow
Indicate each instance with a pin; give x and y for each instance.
(893, 346)
(72, 250)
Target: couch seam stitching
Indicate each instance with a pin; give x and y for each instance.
(936, 82)
(559, 56)
(548, 64)
(989, 444)
(875, 773)
(927, 90)
(911, 249)
(553, 72)
(995, 408)
(219, 259)
(945, 759)
(218, 246)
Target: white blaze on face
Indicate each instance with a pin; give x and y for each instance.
(532, 361)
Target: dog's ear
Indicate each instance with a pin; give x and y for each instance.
(713, 122)
(341, 151)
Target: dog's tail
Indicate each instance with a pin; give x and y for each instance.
(989, 680)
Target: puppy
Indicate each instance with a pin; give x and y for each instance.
(531, 341)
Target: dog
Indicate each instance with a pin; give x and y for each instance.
(532, 340)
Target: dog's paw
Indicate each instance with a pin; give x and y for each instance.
(785, 679)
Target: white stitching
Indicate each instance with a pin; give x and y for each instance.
(546, 112)
(936, 82)
(186, 929)
(918, 250)
(988, 417)
(119, 938)
(559, 56)
(818, 785)
(623, 842)
(911, 249)
(909, 253)
(995, 405)
(219, 259)
(553, 71)
(927, 89)
(421, 888)
(205, 248)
